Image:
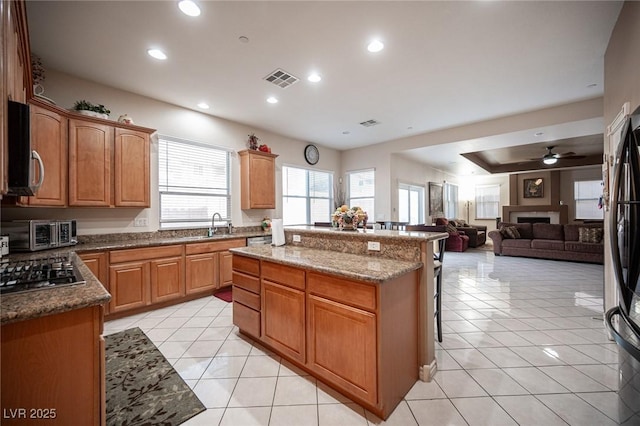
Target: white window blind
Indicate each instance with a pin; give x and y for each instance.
(450, 200)
(362, 191)
(487, 201)
(411, 204)
(586, 194)
(193, 182)
(307, 196)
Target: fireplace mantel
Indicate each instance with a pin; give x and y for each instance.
(562, 210)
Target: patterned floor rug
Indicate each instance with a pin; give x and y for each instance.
(142, 387)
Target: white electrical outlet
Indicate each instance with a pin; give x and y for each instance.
(296, 238)
(373, 245)
(140, 222)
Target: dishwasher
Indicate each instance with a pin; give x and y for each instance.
(259, 241)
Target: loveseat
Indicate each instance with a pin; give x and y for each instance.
(457, 241)
(575, 242)
(477, 233)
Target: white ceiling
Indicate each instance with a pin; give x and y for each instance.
(445, 64)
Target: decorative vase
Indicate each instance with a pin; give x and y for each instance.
(92, 113)
(125, 119)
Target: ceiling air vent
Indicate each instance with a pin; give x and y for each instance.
(370, 123)
(281, 78)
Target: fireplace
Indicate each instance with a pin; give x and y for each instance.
(533, 219)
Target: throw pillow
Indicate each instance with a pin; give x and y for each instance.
(441, 221)
(454, 222)
(451, 229)
(462, 222)
(509, 232)
(590, 235)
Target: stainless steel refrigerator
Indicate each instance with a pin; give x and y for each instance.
(624, 320)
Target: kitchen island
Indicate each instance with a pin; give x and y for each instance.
(360, 320)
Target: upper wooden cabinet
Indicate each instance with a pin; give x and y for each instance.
(131, 168)
(258, 179)
(49, 139)
(108, 165)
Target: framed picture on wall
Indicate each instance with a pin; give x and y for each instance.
(436, 204)
(533, 188)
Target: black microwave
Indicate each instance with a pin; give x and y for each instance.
(23, 178)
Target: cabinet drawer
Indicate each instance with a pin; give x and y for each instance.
(130, 255)
(247, 298)
(246, 264)
(211, 246)
(286, 275)
(342, 290)
(247, 282)
(246, 319)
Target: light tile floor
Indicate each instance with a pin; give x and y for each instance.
(524, 344)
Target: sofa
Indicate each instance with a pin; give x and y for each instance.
(457, 241)
(578, 242)
(477, 233)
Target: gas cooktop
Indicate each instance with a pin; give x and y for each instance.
(38, 274)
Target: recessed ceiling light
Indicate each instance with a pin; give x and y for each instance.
(157, 53)
(314, 77)
(375, 46)
(189, 8)
(272, 100)
(538, 134)
(243, 39)
(592, 85)
(346, 132)
(410, 128)
(203, 105)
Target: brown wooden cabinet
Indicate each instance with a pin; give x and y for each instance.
(98, 263)
(108, 165)
(55, 365)
(49, 139)
(140, 277)
(258, 180)
(90, 146)
(209, 265)
(15, 70)
(341, 346)
(131, 168)
(246, 294)
(283, 319)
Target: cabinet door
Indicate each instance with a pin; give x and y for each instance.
(131, 168)
(98, 264)
(342, 346)
(49, 139)
(201, 272)
(263, 182)
(167, 279)
(226, 269)
(129, 286)
(90, 146)
(283, 319)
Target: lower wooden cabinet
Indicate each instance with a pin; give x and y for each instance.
(53, 367)
(226, 268)
(246, 295)
(342, 346)
(98, 263)
(140, 277)
(284, 319)
(202, 272)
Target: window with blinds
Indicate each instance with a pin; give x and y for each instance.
(587, 194)
(194, 181)
(487, 201)
(362, 191)
(450, 200)
(306, 196)
(410, 204)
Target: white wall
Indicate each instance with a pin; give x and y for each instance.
(175, 121)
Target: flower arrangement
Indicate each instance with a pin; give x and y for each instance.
(349, 218)
(253, 141)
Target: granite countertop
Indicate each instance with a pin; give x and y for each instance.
(34, 304)
(354, 266)
(367, 234)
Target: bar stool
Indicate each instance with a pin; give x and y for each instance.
(437, 276)
(438, 258)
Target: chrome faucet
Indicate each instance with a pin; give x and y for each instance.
(213, 228)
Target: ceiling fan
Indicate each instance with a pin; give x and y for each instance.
(552, 158)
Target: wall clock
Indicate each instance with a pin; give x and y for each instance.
(311, 154)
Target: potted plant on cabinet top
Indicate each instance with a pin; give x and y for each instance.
(87, 108)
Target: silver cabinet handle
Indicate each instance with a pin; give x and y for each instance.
(36, 156)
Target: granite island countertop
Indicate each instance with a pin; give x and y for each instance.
(354, 266)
